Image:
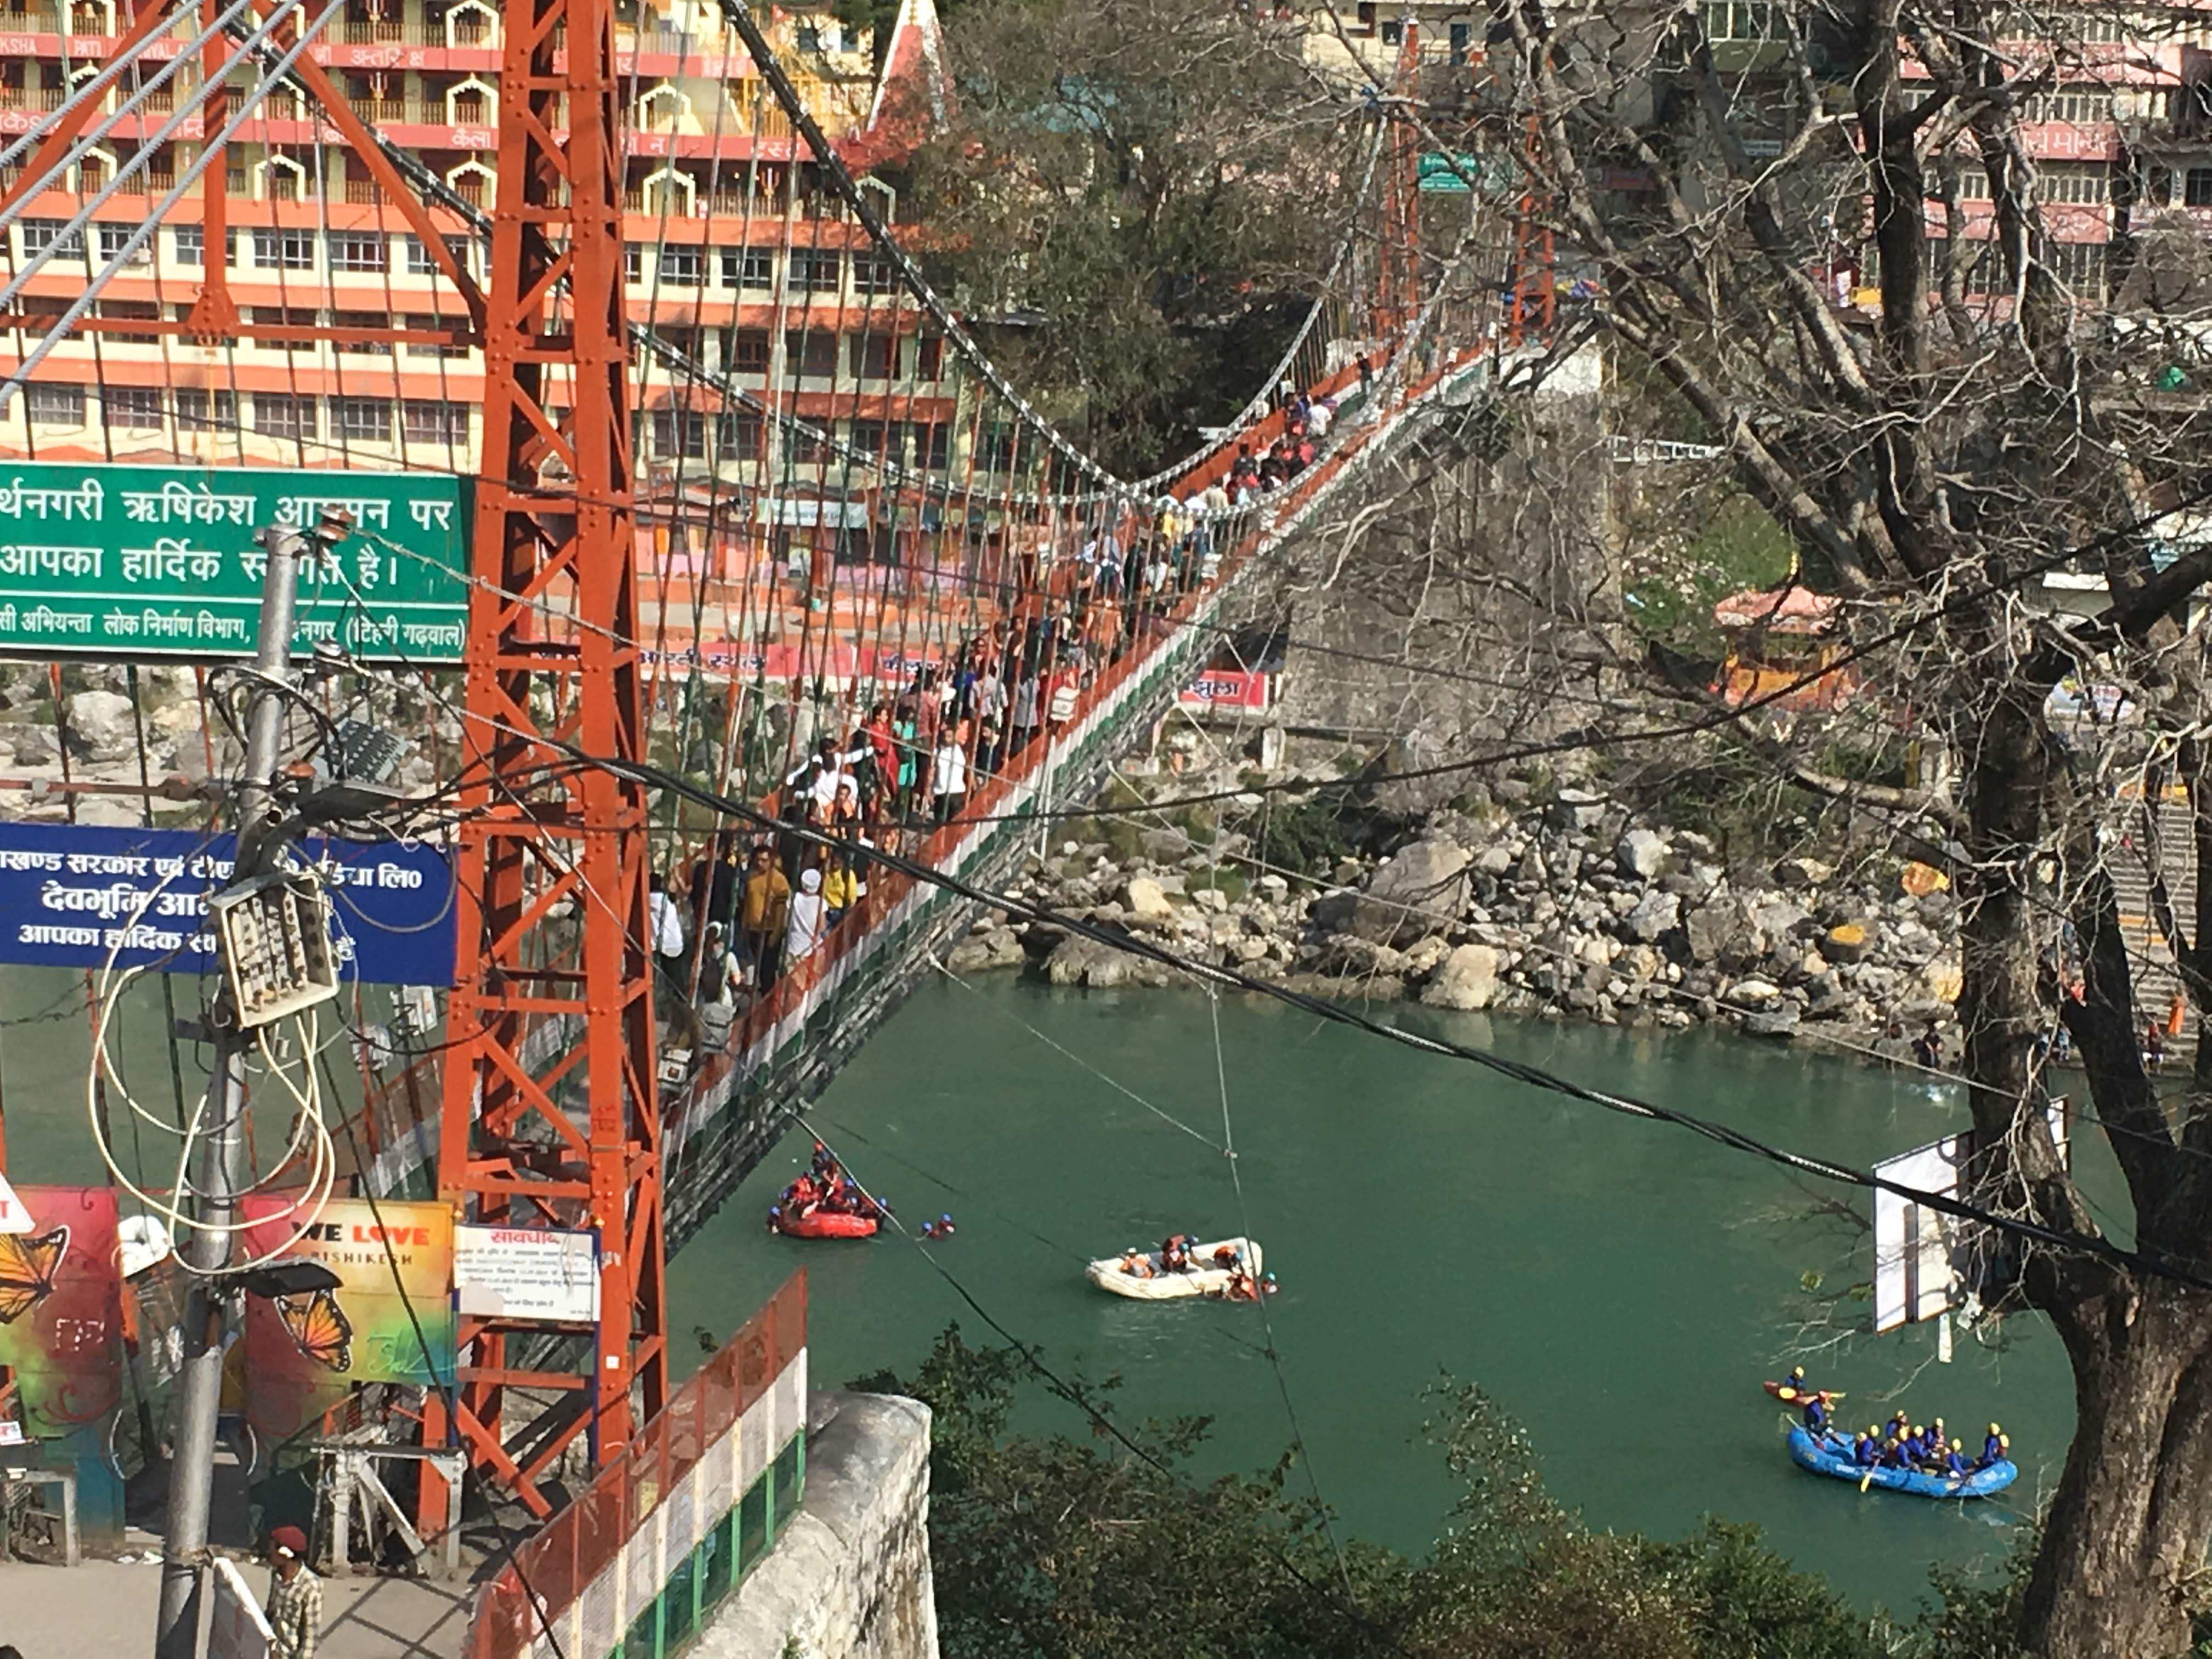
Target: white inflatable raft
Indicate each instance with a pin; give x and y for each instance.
(1202, 1277)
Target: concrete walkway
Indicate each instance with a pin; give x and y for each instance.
(104, 1610)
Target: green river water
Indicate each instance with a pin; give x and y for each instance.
(1620, 1286)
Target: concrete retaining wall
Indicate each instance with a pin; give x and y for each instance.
(849, 1579)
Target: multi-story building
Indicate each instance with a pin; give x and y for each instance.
(738, 253)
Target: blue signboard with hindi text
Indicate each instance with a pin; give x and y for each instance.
(80, 896)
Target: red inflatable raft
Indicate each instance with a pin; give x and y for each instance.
(826, 1224)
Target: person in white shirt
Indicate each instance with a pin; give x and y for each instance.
(948, 779)
(808, 919)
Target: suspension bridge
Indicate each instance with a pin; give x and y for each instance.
(732, 471)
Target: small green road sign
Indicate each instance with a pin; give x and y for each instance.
(1442, 174)
(160, 562)
(1438, 176)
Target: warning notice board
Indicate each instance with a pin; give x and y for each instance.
(526, 1273)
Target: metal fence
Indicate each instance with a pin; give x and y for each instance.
(685, 1460)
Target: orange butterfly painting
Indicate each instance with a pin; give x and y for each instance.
(28, 1267)
(319, 1328)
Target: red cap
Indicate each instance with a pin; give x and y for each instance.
(290, 1540)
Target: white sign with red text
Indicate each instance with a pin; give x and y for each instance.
(526, 1273)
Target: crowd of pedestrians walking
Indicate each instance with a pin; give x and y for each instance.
(755, 909)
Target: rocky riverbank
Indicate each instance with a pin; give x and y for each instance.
(1571, 905)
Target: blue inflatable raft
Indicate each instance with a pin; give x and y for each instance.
(1827, 1460)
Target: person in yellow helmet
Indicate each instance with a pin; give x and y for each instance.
(1997, 1448)
(1954, 1463)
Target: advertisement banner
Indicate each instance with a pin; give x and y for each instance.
(61, 1308)
(80, 896)
(61, 1331)
(389, 1320)
(160, 562)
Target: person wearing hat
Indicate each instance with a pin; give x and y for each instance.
(1997, 1448)
(295, 1609)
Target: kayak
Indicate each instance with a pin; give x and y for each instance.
(1790, 1396)
(1827, 1459)
(1202, 1277)
(826, 1224)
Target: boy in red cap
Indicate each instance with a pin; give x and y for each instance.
(295, 1609)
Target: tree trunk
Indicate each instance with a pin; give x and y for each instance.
(2127, 1526)
(2126, 1532)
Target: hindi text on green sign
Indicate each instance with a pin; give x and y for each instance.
(161, 560)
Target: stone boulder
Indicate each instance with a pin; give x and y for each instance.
(1723, 931)
(994, 947)
(1802, 873)
(99, 725)
(1165, 845)
(1644, 854)
(1420, 890)
(1145, 896)
(1466, 980)
(1655, 914)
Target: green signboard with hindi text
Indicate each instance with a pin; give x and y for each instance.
(160, 562)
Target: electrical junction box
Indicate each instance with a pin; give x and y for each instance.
(274, 933)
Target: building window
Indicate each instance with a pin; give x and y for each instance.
(113, 239)
(994, 449)
(1741, 19)
(286, 317)
(874, 356)
(2080, 265)
(423, 421)
(51, 404)
(679, 432)
(39, 234)
(932, 447)
(741, 437)
(195, 411)
(1365, 18)
(356, 251)
(810, 353)
(929, 357)
(419, 262)
(365, 320)
(874, 275)
(420, 349)
(748, 267)
(131, 408)
(2077, 106)
(134, 310)
(810, 38)
(748, 351)
(874, 439)
(279, 415)
(283, 250)
(189, 245)
(2196, 187)
(363, 420)
(816, 272)
(680, 264)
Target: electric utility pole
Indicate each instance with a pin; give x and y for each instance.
(216, 1177)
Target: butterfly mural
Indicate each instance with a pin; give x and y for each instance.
(319, 1328)
(28, 1267)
